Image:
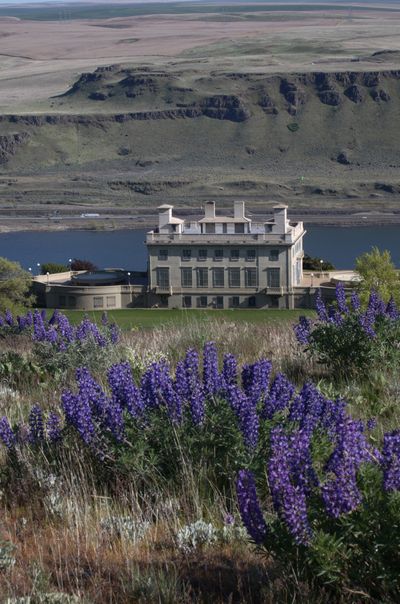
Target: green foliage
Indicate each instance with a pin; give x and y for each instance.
(378, 272)
(82, 265)
(316, 264)
(53, 267)
(15, 284)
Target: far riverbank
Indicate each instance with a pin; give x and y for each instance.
(30, 221)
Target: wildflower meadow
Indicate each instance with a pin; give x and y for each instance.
(193, 476)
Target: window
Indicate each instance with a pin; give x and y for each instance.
(202, 254)
(62, 300)
(218, 277)
(163, 277)
(98, 302)
(202, 302)
(202, 277)
(234, 301)
(252, 301)
(187, 301)
(234, 277)
(219, 302)
(218, 255)
(210, 228)
(251, 277)
(186, 277)
(71, 300)
(111, 301)
(186, 254)
(274, 255)
(224, 227)
(234, 255)
(239, 227)
(163, 254)
(250, 255)
(273, 277)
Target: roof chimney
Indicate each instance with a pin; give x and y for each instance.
(209, 209)
(280, 219)
(238, 210)
(165, 215)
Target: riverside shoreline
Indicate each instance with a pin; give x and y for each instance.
(112, 222)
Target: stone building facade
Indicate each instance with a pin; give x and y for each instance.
(225, 261)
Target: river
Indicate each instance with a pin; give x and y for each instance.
(126, 249)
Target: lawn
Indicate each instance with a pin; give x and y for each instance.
(148, 318)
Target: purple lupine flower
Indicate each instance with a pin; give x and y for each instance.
(308, 407)
(194, 386)
(65, 329)
(114, 333)
(341, 299)
(211, 377)
(124, 389)
(367, 322)
(302, 330)
(255, 379)
(249, 507)
(43, 314)
(279, 396)
(79, 415)
(334, 316)
(29, 319)
(288, 477)
(375, 304)
(54, 317)
(321, 308)
(53, 428)
(1, 322)
(8, 316)
(229, 370)
(355, 301)
(21, 321)
(245, 410)
(6, 433)
(390, 462)
(340, 493)
(36, 427)
(113, 419)
(391, 310)
(39, 329)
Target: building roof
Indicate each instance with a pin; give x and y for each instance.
(219, 219)
(165, 206)
(175, 220)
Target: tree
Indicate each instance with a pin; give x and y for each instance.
(316, 264)
(82, 265)
(53, 267)
(378, 273)
(15, 285)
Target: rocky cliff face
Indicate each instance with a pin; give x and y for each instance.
(215, 132)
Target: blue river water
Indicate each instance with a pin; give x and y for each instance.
(126, 248)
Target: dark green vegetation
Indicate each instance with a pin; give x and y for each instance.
(81, 10)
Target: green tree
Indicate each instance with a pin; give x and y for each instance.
(53, 267)
(15, 285)
(378, 272)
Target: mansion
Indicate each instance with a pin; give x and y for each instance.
(225, 261)
(212, 261)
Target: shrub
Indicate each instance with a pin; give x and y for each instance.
(348, 338)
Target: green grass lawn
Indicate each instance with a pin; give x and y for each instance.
(148, 318)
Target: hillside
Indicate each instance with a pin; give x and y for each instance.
(132, 135)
